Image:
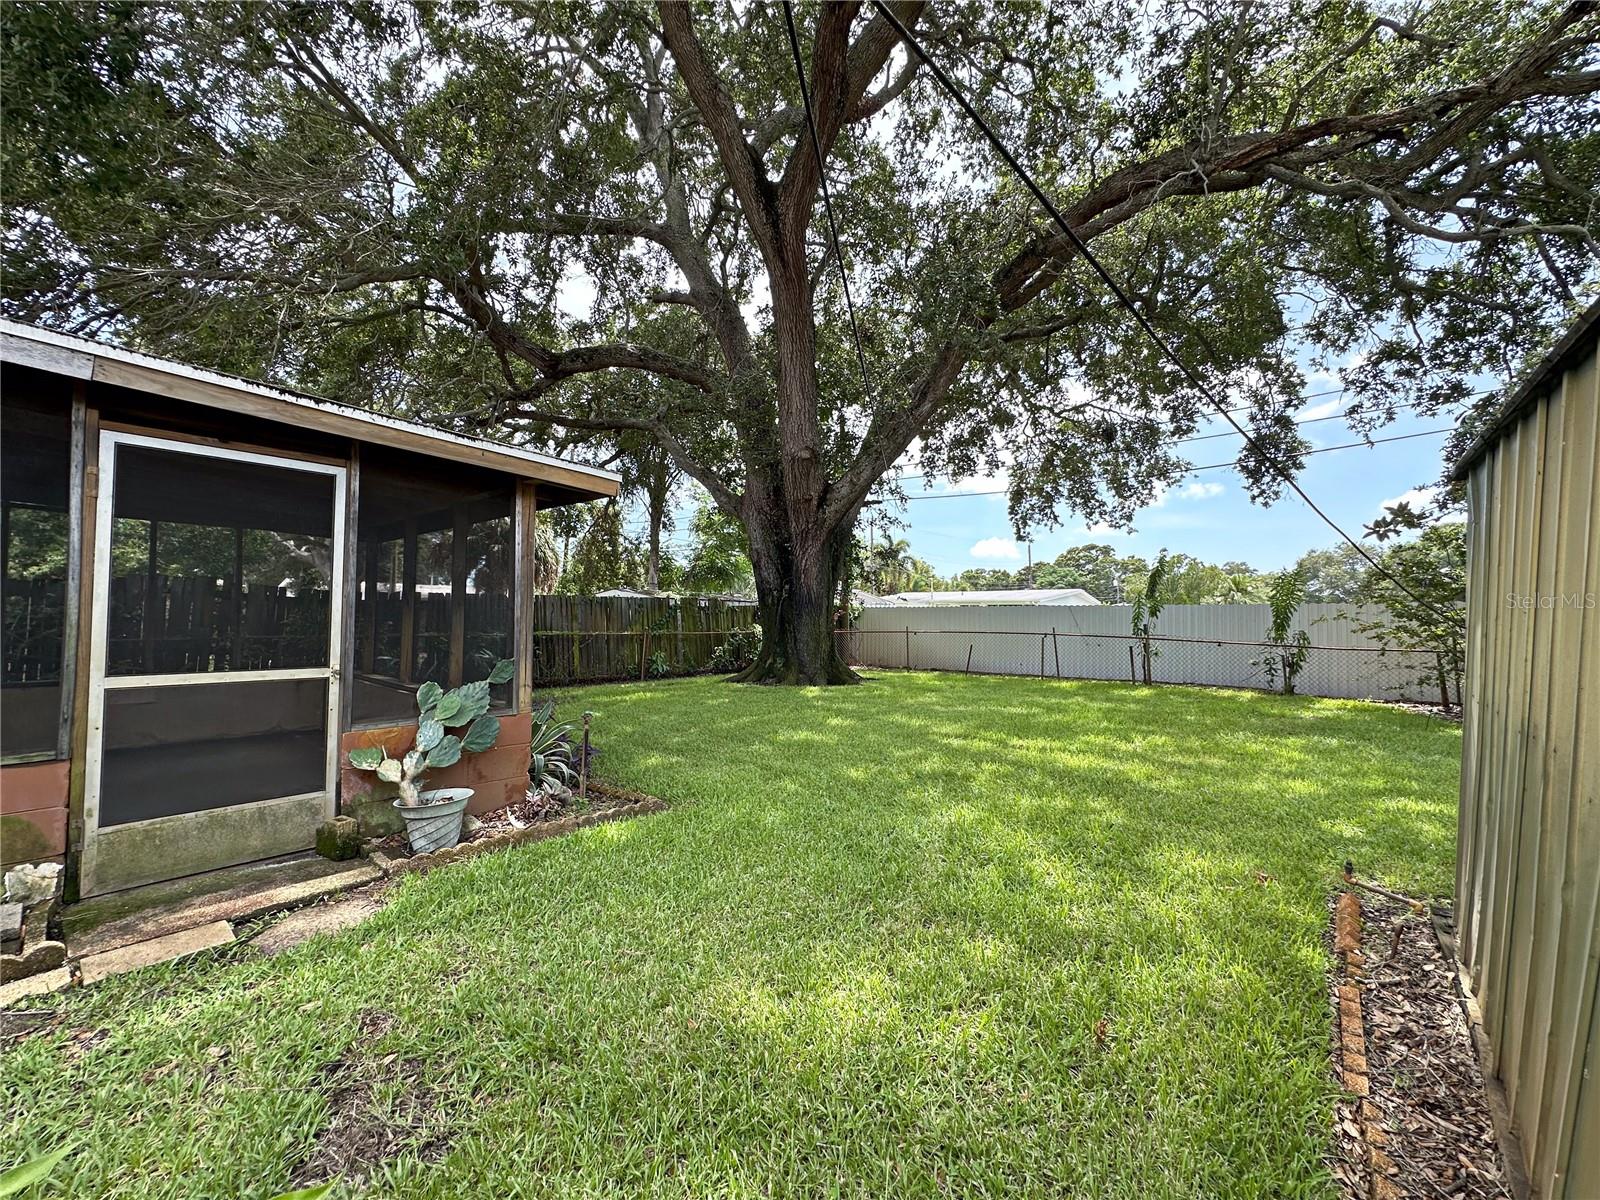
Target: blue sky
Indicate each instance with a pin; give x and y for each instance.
(1208, 514)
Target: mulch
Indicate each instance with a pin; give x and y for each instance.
(1426, 1108)
(530, 812)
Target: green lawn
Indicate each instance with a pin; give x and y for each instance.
(933, 935)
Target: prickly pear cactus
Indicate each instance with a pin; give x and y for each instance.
(463, 709)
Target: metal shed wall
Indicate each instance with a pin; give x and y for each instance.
(1528, 868)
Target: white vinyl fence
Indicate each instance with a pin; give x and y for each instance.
(1219, 645)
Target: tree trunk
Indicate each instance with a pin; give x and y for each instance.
(652, 570)
(795, 593)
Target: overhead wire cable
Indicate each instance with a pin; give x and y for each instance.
(827, 197)
(1082, 247)
(1400, 437)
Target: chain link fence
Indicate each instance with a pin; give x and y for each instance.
(1351, 672)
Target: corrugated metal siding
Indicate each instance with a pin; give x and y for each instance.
(1528, 872)
(1093, 645)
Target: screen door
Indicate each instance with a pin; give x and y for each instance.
(214, 669)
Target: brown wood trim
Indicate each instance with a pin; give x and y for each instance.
(525, 581)
(408, 604)
(458, 595)
(72, 592)
(195, 439)
(89, 491)
(345, 679)
(308, 416)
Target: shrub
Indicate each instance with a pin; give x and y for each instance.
(736, 652)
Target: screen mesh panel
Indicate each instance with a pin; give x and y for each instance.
(217, 565)
(188, 748)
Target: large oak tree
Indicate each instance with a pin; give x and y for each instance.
(408, 206)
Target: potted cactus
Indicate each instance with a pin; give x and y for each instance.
(433, 818)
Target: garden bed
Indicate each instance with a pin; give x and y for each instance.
(1416, 1120)
(530, 820)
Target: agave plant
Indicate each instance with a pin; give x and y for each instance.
(464, 709)
(550, 765)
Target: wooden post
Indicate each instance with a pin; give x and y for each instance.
(1041, 656)
(87, 624)
(1444, 681)
(1056, 646)
(908, 647)
(525, 592)
(644, 652)
(236, 603)
(408, 603)
(969, 658)
(459, 528)
(1133, 672)
(151, 548)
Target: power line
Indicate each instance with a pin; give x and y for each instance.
(1206, 437)
(1401, 437)
(1126, 301)
(827, 197)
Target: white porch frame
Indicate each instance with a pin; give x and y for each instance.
(110, 443)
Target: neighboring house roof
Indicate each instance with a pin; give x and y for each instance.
(869, 600)
(81, 358)
(1033, 596)
(1537, 383)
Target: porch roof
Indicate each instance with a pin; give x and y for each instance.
(81, 358)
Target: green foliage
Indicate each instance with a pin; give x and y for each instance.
(463, 708)
(1147, 606)
(1287, 648)
(718, 560)
(1334, 575)
(25, 1174)
(447, 753)
(736, 651)
(603, 556)
(1429, 613)
(551, 769)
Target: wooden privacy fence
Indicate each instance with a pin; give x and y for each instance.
(580, 639)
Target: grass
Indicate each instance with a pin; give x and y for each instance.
(933, 935)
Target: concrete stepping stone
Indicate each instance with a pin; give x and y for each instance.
(233, 894)
(306, 923)
(94, 967)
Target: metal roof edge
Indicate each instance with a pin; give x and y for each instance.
(1535, 384)
(287, 396)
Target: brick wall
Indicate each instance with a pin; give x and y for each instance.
(33, 812)
(498, 776)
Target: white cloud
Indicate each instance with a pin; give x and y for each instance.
(1202, 491)
(1417, 498)
(1420, 499)
(996, 547)
(973, 484)
(1327, 408)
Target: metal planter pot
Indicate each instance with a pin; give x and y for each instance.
(435, 824)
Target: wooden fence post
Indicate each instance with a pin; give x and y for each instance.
(969, 658)
(1056, 646)
(644, 653)
(908, 647)
(1133, 672)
